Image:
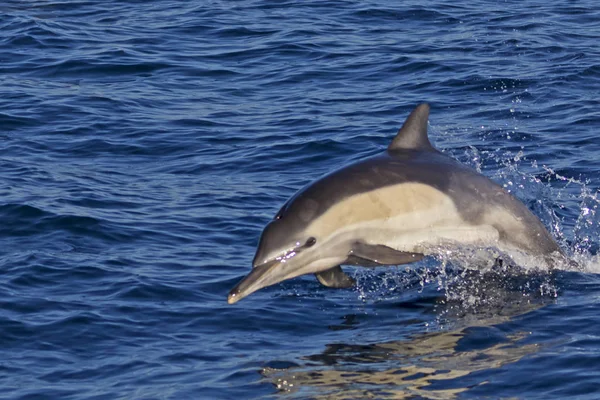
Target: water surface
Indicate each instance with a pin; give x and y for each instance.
(144, 145)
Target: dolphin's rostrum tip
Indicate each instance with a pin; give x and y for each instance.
(231, 299)
(234, 296)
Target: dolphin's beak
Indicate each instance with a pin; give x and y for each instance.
(261, 276)
(279, 270)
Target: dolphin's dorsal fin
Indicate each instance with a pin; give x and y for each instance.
(413, 134)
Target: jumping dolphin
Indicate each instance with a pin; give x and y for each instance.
(391, 209)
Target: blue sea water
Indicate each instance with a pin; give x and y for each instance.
(144, 145)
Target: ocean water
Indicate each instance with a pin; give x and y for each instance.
(144, 145)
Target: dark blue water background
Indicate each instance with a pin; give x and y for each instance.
(144, 145)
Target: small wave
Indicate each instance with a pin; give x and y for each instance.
(21, 220)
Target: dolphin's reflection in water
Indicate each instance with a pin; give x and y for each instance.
(419, 363)
(426, 365)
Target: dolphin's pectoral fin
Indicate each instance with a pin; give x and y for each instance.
(335, 278)
(361, 262)
(379, 254)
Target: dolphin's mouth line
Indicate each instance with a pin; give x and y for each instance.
(268, 264)
(293, 252)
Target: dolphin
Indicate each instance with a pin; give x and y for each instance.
(395, 208)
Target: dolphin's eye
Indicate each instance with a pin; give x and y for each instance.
(310, 242)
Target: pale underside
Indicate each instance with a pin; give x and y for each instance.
(413, 217)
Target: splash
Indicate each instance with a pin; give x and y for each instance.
(470, 281)
(567, 205)
(461, 287)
